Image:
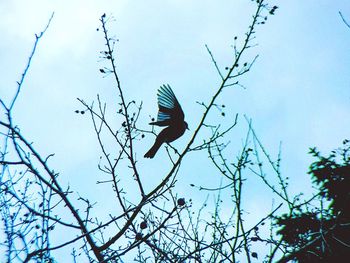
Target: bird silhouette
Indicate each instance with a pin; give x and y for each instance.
(170, 114)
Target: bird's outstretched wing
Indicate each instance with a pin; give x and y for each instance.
(170, 112)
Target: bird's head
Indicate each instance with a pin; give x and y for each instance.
(186, 125)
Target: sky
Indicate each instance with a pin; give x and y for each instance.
(297, 93)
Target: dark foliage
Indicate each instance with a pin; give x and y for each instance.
(322, 233)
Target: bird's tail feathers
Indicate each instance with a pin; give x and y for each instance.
(152, 152)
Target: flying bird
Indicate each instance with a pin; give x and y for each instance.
(170, 114)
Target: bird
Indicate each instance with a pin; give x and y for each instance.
(169, 114)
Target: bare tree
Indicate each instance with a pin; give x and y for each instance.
(152, 225)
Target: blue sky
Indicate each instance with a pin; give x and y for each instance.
(297, 93)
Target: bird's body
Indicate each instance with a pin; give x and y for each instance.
(170, 114)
